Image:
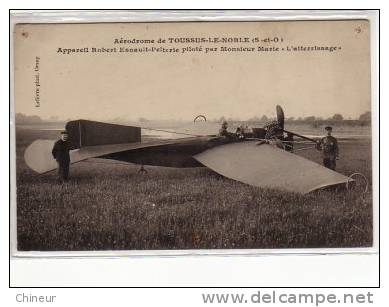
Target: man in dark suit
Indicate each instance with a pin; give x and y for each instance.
(61, 155)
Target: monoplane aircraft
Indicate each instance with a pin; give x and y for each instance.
(261, 157)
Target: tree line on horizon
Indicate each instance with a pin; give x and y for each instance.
(364, 118)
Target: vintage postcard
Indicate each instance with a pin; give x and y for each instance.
(193, 135)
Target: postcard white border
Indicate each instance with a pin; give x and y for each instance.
(99, 16)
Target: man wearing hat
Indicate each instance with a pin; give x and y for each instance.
(329, 146)
(223, 130)
(61, 155)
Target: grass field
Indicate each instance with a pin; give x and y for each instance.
(107, 205)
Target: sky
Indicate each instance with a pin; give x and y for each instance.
(166, 85)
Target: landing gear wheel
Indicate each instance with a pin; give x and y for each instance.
(357, 182)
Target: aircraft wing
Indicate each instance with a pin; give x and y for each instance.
(268, 167)
(39, 158)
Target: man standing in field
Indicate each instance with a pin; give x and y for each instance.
(329, 146)
(61, 155)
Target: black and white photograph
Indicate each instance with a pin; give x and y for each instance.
(211, 135)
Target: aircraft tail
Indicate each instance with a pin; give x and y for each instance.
(90, 133)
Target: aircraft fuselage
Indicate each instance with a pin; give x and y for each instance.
(179, 154)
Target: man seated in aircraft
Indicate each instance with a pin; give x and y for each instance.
(240, 132)
(223, 130)
(227, 136)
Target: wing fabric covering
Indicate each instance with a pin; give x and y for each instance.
(268, 167)
(39, 158)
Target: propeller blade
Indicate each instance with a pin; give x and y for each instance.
(280, 116)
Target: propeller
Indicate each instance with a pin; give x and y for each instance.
(281, 122)
(280, 117)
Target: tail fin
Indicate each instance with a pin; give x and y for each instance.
(90, 133)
